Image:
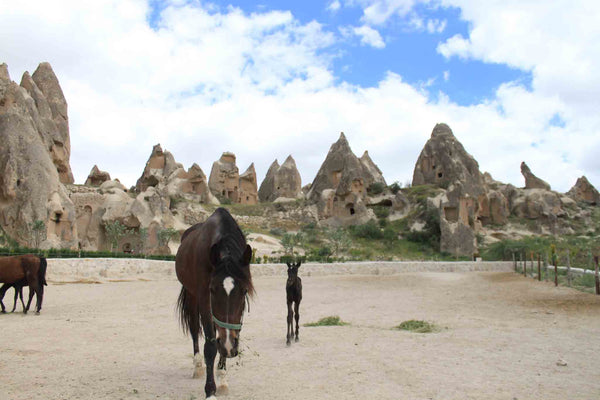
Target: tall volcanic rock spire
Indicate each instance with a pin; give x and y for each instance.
(34, 158)
(281, 181)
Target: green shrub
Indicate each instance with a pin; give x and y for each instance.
(333, 320)
(376, 188)
(416, 326)
(370, 230)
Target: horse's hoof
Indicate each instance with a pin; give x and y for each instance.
(223, 390)
(297, 339)
(38, 313)
(213, 397)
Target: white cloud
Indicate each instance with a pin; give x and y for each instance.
(446, 76)
(334, 6)
(369, 36)
(261, 85)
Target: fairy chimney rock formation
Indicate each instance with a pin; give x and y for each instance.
(224, 177)
(159, 166)
(371, 171)
(339, 187)
(248, 187)
(97, 177)
(585, 192)
(281, 181)
(58, 140)
(32, 170)
(532, 181)
(444, 161)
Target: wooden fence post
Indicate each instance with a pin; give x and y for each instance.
(568, 267)
(546, 258)
(556, 270)
(597, 277)
(539, 268)
(524, 264)
(532, 273)
(514, 261)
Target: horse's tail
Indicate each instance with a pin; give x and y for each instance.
(42, 271)
(186, 310)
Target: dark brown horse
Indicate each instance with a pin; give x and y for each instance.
(29, 267)
(213, 266)
(18, 286)
(293, 290)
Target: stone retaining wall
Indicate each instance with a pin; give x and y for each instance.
(115, 269)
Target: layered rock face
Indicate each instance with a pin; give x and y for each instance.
(584, 191)
(248, 191)
(225, 181)
(339, 187)
(281, 181)
(97, 177)
(532, 181)
(225, 177)
(34, 159)
(445, 163)
(371, 172)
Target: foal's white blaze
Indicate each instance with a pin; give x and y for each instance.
(228, 285)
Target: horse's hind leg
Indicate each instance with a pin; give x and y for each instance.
(31, 292)
(297, 317)
(222, 385)
(39, 292)
(18, 289)
(195, 332)
(21, 296)
(290, 327)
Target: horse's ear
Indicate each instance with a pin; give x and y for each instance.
(215, 254)
(247, 255)
(288, 264)
(299, 264)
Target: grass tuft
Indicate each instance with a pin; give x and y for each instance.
(416, 326)
(333, 320)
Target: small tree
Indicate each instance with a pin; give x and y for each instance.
(289, 241)
(38, 232)
(339, 241)
(165, 235)
(143, 236)
(115, 230)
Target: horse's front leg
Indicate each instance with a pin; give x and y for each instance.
(17, 290)
(223, 386)
(31, 292)
(297, 317)
(210, 352)
(290, 327)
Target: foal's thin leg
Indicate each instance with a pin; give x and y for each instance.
(290, 327)
(223, 386)
(297, 317)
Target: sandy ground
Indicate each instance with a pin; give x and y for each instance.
(501, 338)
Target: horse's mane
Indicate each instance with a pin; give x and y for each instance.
(232, 243)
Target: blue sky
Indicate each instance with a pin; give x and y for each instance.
(273, 78)
(409, 51)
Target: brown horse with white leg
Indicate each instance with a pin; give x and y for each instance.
(213, 266)
(293, 290)
(29, 267)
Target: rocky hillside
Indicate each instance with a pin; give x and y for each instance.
(451, 205)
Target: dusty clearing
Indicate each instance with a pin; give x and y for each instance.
(502, 338)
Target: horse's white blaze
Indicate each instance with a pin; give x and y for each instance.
(228, 345)
(228, 285)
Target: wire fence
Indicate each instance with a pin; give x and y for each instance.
(546, 267)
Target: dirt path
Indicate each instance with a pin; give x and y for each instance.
(502, 336)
